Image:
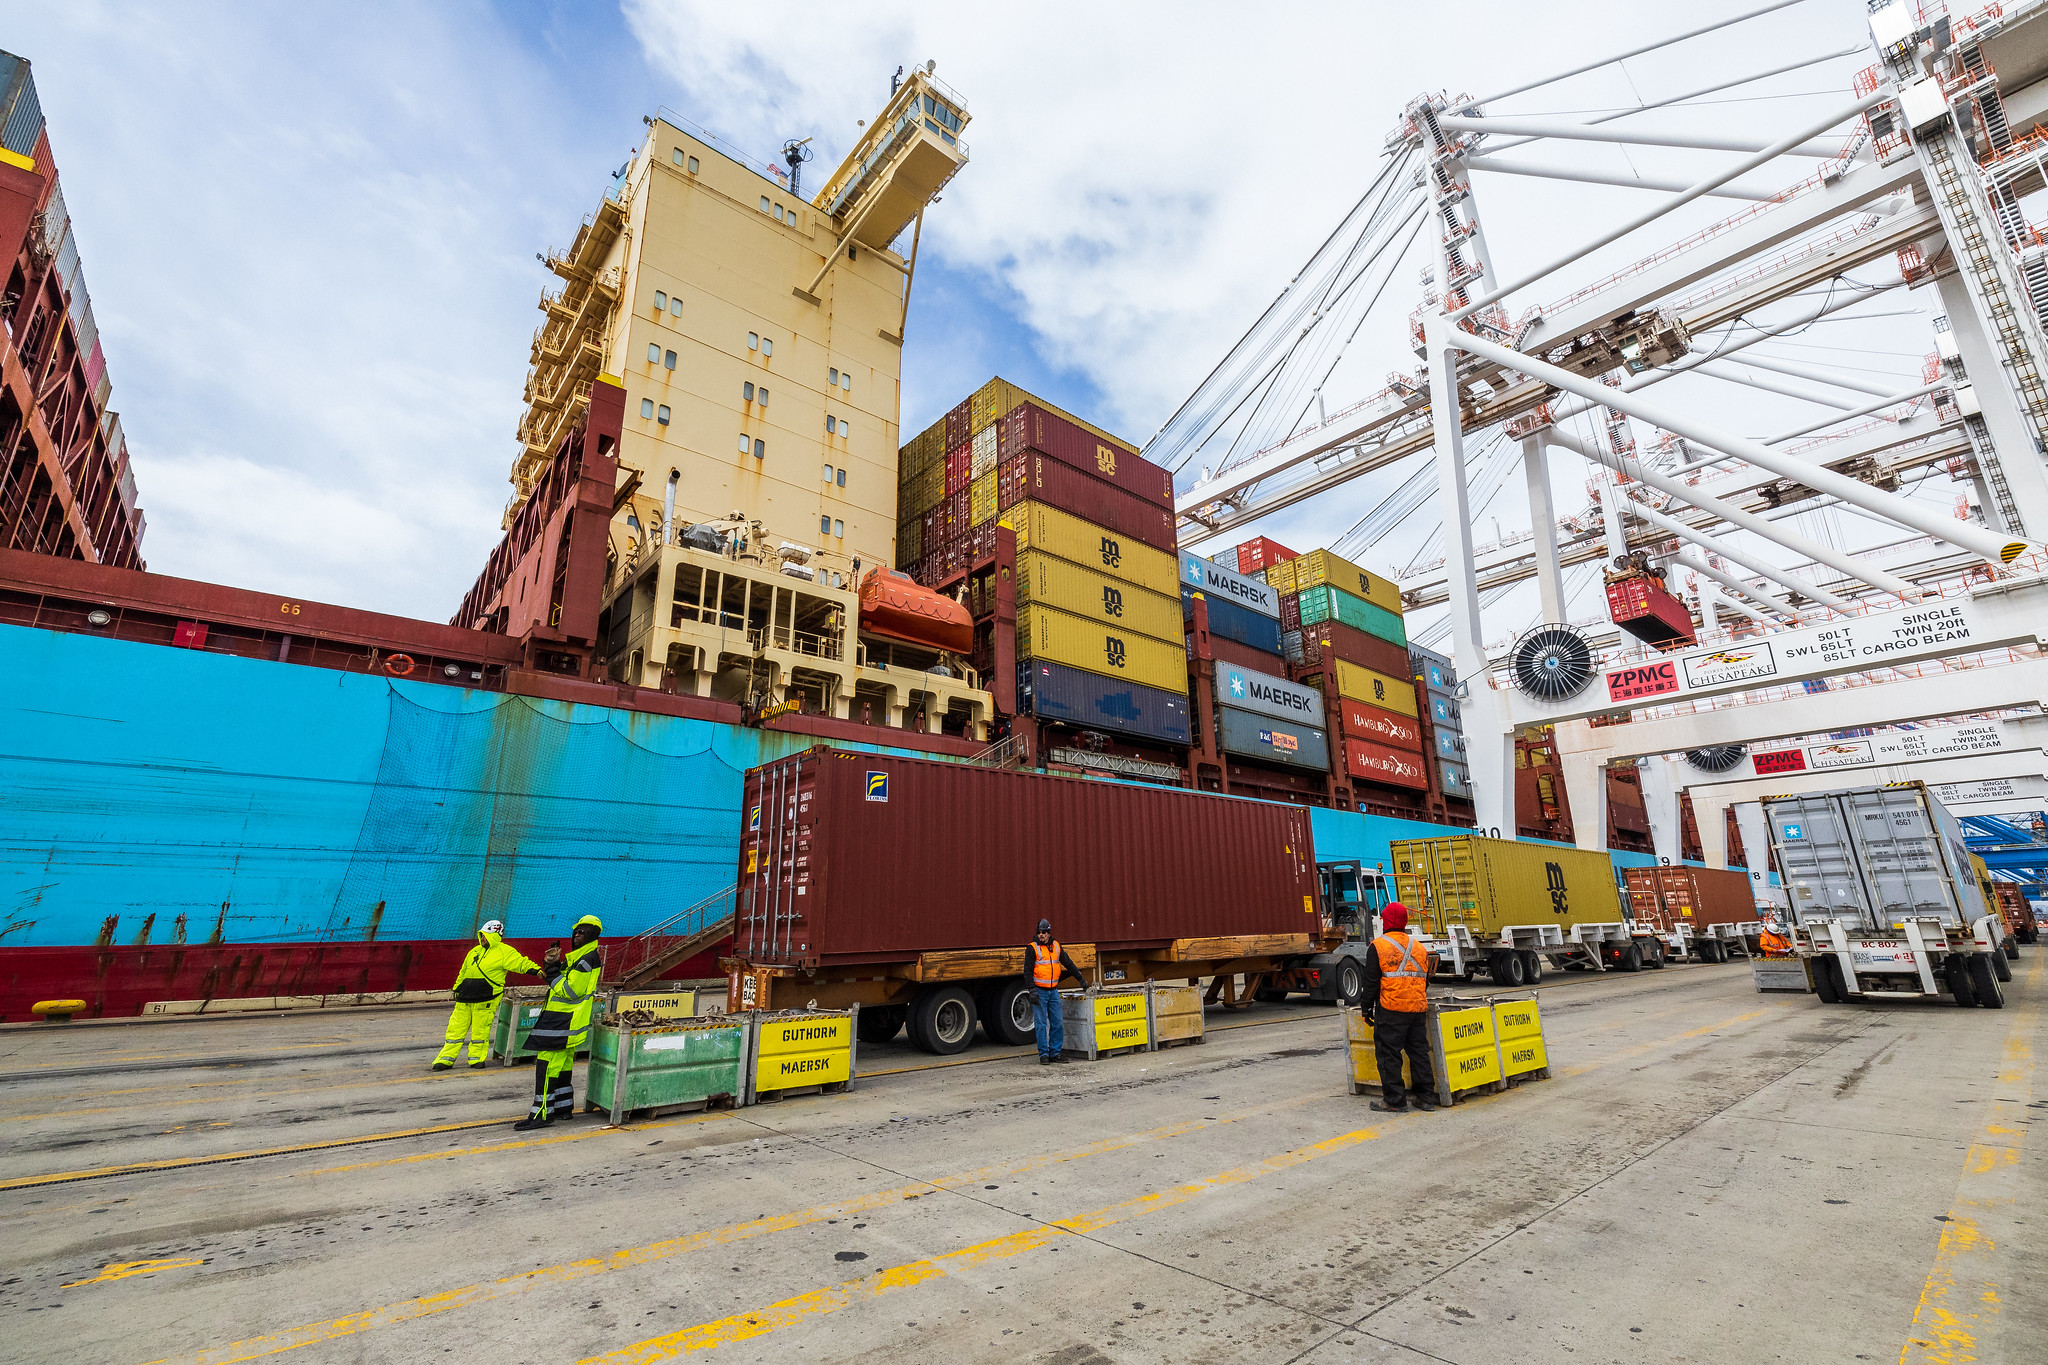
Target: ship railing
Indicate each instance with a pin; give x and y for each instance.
(648, 954)
(1001, 754)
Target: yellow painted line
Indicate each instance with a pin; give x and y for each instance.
(177, 1163)
(431, 1079)
(551, 1140)
(1020, 1053)
(469, 1296)
(121, 1270)
(789, 1312)
(1964, 1296)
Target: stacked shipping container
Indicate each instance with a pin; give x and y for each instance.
(1262, 715)
(1446, 724)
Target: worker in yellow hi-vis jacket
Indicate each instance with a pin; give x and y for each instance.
(477, 988)
(564, 1023)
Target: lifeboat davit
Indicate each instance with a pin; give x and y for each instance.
(895, 605)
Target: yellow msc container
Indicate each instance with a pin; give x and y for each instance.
(1320, 566)
(1061, 637)
(1066, 536)
(981, 499)
(1488, 884)
(1375, 689)
(1043, 580)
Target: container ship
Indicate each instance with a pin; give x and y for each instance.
(717, 553)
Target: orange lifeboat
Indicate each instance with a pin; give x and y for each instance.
(894, 605)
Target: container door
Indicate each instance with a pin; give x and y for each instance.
(1903, 862)
(1820, 863)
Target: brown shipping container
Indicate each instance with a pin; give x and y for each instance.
(1715, 895)
(1378, 763)
(1333, 640)
(849, 858)
(1044, 479)
(1379, 726)
(1244, 656)
(1031, 428)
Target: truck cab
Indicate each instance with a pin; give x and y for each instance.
(1353, 896)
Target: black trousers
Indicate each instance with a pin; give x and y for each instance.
(1395, 1032)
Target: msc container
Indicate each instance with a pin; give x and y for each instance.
(1041, 478)
(1873, 856)
(1454, 778)
(1029, 428)
(1249, 735)
(1045, 528)
(1266, 695)
(1487, 885)
(1112, 651)
(862, 858)
(1379, 726)
(1375, 688)
(1233, 622)
(1045, 580)
(1319, 604)
(1053, 691)
(1318, 567)
(1378, 763)
(1330, 640)
(1261, 553)
(1699, 897)
(1219, 583)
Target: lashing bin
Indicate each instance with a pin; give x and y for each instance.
(1176, 1015)
(1464, 1049)
(802, 1050)
(518, 1008)
(1107, 1021)
(1518, 1032)
(661, 1067)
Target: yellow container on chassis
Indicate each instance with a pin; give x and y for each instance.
(1487, 884)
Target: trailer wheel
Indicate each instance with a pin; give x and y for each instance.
(1827, 979)
(1956, 973)
(1985, 982)
(2012, 950)
(942, 1020)
(1350, 982)
(1532, 966)
(2000, 965)
(1008, 1016)
(1655, 960)
(880, 1024)
(1710, 950)
(1631, 958)
(1504, 965)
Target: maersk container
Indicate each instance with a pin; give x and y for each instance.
(1443, 712)
(1046, 580)
(1450, 745)
(1233, 622)
(1053, 691)
(1489, 884)
(1218, 583)
(1455, 778)
(1873, 856)
(859, 858)
(1079, 540)
(1434, 669)
(1320, 604)
(1267, 695)
(1250, 735)
(1112, 651)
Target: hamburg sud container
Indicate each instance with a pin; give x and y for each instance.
(1873, 856)
(859, 858)
(1488, 884)
(1053, 691)
(1363, 758)
(1702, 897)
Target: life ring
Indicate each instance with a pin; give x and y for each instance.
(398, 665)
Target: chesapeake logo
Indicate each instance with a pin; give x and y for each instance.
(1471, 1030)
(1553, 877)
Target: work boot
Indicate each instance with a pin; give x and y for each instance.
(474, 1065)
(527, 1125)
(1060, 1058)
(1046, 1059)
(443, 1066)
(1386, 1108)
(1426, 1106)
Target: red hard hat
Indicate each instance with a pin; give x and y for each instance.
(1395, 916)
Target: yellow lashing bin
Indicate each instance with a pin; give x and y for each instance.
(1105, 1020)
(657, 1005)
(1462, 1047)
(801, 1049)
(1518, 1028)
(1176, 1015)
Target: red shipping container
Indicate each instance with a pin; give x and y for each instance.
(1360, 721)
(959, 461)
(846, 858)
(1715, 895)
(1260, 552)
(1028, 427)
(1641, 606)
(1333, 640)
(1013, 483)
(1067, 488)
(933, 528)
(1244, 656)
(959, 510)
(1377, 763)
(957, 428)
(1290, 615)
(981, 542)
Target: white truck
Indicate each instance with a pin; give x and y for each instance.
(1884, 902)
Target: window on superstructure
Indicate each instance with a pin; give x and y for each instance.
(747, 392)
(668, 359)
(745, 443)
(760, 448)
(693, 165)
(824, 526)
(675, 307)
(654, 353)
(832, 377)
(767, 346)
(647, 407)
(764, 203)
(778, 214)
(676, 156)
(845, 427)
(660, 301)
(842, 476)
(831, 424)
(761, 397)
(828, 473)
(838, 528)
(753, 341)
(662, 416)
(846, 380)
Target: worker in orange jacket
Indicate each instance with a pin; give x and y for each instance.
(1774, 941)
(1400, 1013)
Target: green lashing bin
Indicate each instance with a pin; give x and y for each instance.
(676, 1064)
(518, 1008)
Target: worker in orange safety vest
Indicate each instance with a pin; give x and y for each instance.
(1049, 963)
(1400, 1013)
(1775, 943)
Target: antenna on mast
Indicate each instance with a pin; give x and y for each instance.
(796, 154)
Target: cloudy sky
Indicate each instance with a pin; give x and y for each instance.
(310, 232)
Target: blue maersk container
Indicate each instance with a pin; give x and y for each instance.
(1233, 622)
(1053, 691)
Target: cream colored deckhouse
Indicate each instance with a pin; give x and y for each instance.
(758, 336)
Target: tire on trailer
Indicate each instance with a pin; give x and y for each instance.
(1532, 966)
(1827, 979)
(2012, 950)
(1631, 957)
(1504, 965)
(1984, 980)
(2000, 965)
(1350, 981)
(1655, 961)
(942, 1020)
(880, 1023)
(1710, 950)
(1955, 972)
(1009, 1018)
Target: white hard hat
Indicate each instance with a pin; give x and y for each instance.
(493, 926)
